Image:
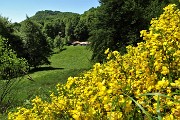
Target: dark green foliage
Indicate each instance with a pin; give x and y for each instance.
(10, 67)
(100, 36)
(90, 17)
(177, 2)
(123, 19)
(86, 24)
(81, 31)
(49, 30)
(50, 42)
(7, 30)
(16, 26)
(37, 48)
(48, 15)
(71, 24)
(54, 28)
(58, 42)
(55, 22)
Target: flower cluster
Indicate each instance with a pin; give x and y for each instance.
(142, 84)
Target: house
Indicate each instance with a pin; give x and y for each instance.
(75, 43)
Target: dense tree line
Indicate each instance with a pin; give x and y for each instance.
(119, 22)
(114, 25)
(56, 23)
(26, 41)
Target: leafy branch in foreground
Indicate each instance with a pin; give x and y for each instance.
(11, 67)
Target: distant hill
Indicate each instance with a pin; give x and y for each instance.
(49, 15)
(70, 26)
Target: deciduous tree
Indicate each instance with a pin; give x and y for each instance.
(7, 31)
(10, 67)
(123, 19)
(37, 48)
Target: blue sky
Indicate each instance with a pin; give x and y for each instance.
(16, 10)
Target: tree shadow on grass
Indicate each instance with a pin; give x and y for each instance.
(43, 69)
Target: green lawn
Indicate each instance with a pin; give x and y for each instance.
(70, 62)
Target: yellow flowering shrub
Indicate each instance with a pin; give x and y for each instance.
(142, 84)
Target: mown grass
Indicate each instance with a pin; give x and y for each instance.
(69, 62)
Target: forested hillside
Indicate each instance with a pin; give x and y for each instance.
(114, 24)
(43, 16)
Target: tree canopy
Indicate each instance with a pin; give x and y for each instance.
(10, 65)
(37, 48)
(120, 21)
(7, 30)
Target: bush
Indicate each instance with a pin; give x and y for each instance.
(58, 42)
(10, 67)
(142, 84)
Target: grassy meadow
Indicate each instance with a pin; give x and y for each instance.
(72, 61)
